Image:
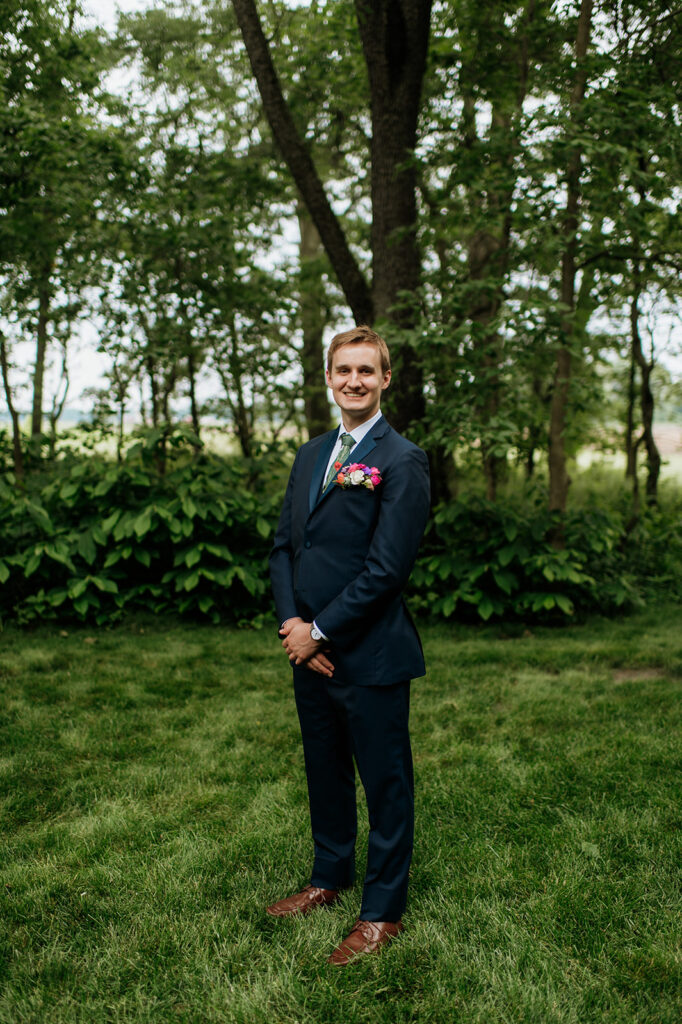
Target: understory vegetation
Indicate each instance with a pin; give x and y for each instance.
(153, 802)
(175, 529)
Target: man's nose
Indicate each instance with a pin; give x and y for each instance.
(355, 379)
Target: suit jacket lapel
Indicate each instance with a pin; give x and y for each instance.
(358, 453)
(319, 468)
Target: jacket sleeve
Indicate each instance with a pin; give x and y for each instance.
(281, 557)
(392, 552)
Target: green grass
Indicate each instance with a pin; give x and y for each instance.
(153, 802)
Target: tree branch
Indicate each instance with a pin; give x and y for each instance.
(300, 164)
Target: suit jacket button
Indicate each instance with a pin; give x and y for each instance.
(308, 544)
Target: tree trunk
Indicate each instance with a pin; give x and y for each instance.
(240, 412)
(17, 450)
(630, 445)
(529, 464)
(168, 388)
(44, 296)
(300, 164)
(153, 390)
(313, 318)
(559, 480)
(179, 269)
(121, 424)
(166, 427)
(395, 37)
(58, 403)
(191, 376)
(646, 394)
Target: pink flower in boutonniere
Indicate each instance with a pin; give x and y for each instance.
(358, 475)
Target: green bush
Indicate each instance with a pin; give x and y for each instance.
(482, 559)
(168, 530)
(93, 539)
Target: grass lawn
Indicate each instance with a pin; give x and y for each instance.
(152, 802)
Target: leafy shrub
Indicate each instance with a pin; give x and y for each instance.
(482, 559)
(97, 538)
(90, 539)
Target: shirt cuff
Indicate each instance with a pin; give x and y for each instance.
(324, 636)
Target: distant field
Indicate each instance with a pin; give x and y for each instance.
(152, 802)
(668, 437)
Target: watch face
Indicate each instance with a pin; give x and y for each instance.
(315, 633)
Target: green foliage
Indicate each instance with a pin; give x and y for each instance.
(171, 531)
(96, 538)
(485, 560)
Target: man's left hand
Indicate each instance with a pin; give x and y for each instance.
(298, 643)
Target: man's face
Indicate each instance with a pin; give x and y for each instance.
(356, 381)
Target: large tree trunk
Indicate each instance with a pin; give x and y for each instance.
(313, 319)
(395, 37)
(559, 480)
(17, 450)
(646, 394)
(44, 297)
(300, 164)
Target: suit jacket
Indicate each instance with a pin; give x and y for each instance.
(343, 557)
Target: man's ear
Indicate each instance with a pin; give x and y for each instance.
(328, 378)
(387, 380)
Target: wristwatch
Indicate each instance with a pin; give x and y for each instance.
(315, 633)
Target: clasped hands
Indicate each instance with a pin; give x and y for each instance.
(302, 649)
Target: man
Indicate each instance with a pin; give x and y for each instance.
(353, 516)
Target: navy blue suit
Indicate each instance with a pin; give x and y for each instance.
(342, 558)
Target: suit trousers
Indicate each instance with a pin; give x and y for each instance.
(341, 722)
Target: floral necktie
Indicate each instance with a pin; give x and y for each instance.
(347, 442)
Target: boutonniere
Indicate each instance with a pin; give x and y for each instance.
(356, 474)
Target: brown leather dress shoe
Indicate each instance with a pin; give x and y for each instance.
(303, 902)
(364, 937)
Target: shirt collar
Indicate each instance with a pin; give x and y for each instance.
(364, 428)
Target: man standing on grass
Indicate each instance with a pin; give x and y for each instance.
(353, 515)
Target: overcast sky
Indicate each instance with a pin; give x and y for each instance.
(105, 12)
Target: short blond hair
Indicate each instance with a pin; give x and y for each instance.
(362, 334)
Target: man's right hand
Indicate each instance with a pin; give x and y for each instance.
(319, 662)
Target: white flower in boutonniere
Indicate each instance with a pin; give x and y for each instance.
(358, 475)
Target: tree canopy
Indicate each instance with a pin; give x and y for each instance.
(495, 187)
